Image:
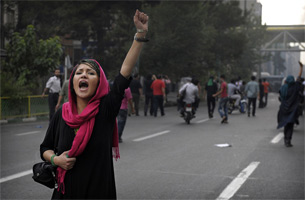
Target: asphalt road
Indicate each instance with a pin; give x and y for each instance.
(164, 158)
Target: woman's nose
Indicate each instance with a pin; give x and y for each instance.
(84, 75)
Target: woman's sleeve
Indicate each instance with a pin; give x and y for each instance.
(116, 94)
(49, 139)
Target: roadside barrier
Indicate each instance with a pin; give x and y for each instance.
(28, 106)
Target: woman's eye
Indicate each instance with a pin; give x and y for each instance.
(91, 73)
(78, 73)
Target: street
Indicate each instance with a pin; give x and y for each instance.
(164, 158)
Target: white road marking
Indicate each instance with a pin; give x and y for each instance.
(201, 121)
(234, 186)
(277, 138)
(14, 176)
(151, 136)
(28, 133)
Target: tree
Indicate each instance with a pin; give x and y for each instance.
(179, 39)
(186, 37)
(27, 60)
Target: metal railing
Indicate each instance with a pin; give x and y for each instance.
(28, 106)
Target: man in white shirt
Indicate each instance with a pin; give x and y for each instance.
(53, 86)
(191, 93)
(232, 89)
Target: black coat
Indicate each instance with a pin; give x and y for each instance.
(92, 176)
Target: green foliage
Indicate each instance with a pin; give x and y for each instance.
(27, 60)
(194, 39)
(178, 39)
(187, 38)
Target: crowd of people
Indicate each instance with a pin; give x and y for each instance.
(154, 90)
(90, 123)
(291, 96)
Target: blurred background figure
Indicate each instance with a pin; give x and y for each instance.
(122, 116)
(148, 94)
(53, 86)
(158, 87)
(137, 92)
(211, 88)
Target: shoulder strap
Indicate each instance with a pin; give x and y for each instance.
(56, 137)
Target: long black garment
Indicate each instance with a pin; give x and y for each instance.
(288, 108)
(92, 176)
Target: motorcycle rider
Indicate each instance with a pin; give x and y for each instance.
(233, 93)
(191, 96)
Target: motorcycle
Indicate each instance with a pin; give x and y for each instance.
(242, 105)
(188, 113)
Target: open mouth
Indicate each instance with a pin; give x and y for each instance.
(83, 85)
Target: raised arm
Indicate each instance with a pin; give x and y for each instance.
(141, 22)
(301, 69)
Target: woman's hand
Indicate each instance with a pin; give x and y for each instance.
(141, 21)
(64, 162)
(301, 64)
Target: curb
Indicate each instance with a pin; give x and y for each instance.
(3, 121)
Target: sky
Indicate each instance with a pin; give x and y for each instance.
(283, 12)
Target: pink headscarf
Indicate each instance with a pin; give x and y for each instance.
(84, 121)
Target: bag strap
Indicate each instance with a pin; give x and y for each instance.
(56, 141)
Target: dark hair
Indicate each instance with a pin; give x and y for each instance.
(195, 81)
(232, 81)
(222, 76)
(253, 78)
(159, 76)
(260, 80)
(88, 62)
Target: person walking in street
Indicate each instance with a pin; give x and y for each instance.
(261, 103)
(148, 94)
(158, 87)
(136, 91)
(266, 85)
(252, 91)
(211, 88)
(54, 87)
(122, 116)
(223, 92)
(87, 129)
(290, 96)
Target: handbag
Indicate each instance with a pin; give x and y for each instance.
(44, 172)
